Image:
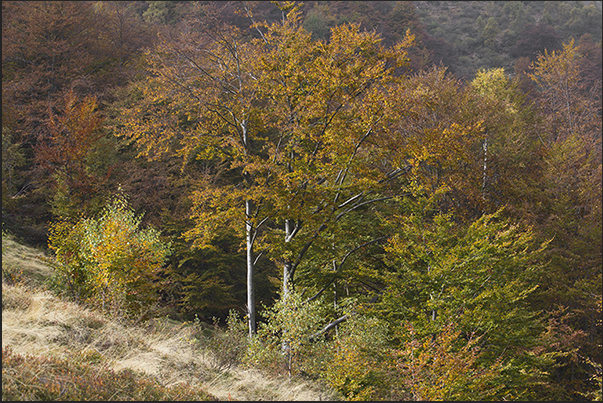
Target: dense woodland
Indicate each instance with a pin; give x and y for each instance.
(402, 199)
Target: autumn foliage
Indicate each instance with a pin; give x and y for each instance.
(109, 260)
(382, 224)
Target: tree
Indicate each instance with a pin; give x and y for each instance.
(490, 33)
(280, 133)
(535, 38)
(477, 276)
(438, 136)
(201, 103)
(512, 146)
(70, 152)
(121, 37)
(319, 21)
(571, 211)
(444, 367)
(46, 46)
(290, 322)
(590, 60)
(567, 101)
(358, 362)
(326, 101)
(160, 12)
(50, 48)
(12, 160)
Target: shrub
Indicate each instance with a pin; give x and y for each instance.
(283, 342)
(225, 347)
(444, 366)
(357, 366)
(109, 260)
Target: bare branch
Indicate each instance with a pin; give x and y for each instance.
(254, 24)
(351, 199)
(258, 256)
(360, 205)
(329, 326)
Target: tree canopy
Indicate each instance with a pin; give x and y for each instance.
(389, 213)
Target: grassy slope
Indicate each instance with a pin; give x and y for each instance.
(37, 323)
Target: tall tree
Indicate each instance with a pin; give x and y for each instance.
(50, 48)
(280, 122)
(569, 103)
(201, 103)
(326, 102)
(438, 133)
(512, 147)
(70, 153)
(571, 211)
(477, 276)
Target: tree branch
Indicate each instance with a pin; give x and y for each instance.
(329, 326)
(341, 264)
(360, 205)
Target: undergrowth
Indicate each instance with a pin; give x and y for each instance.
(55, 348)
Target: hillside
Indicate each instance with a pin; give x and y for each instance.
(399, 199)
(469, 35)
(163, 358)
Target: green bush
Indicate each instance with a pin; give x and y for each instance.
(284, 343)
(109, 260)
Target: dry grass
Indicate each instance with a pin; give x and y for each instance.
(23, 263)
(36, 322)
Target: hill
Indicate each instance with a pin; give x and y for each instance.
(53, 349)
(469, 35)
(466, 36)
(180, 161)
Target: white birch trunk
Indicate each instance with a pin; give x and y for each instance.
(287, 266)
(250, 284)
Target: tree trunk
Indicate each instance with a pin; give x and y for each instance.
(335, 295)
(250, 285)
(286, 278)
(484, 175)
(288, 265)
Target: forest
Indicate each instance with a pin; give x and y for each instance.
(399, 198)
